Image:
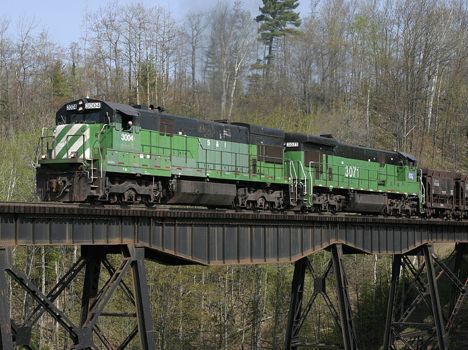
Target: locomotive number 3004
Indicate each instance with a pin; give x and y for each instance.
(126, 137)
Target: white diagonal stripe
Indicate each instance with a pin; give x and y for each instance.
(64, 140)
(78, 143)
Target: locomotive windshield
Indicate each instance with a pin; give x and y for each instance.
(87, 117)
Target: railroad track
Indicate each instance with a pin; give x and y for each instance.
(172, 211)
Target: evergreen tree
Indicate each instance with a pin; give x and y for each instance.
(60, 87)
(277, 19)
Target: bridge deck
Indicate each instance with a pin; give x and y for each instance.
(211, 237)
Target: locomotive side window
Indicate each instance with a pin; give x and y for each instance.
(271, 154)
(314, 159)
(166, 126)
(127, 122)
(381, 159)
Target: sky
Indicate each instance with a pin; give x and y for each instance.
(63, 19)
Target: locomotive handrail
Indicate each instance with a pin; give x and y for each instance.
(305, 176)
(231, 152)
(40, 147)
(98, 139)
(311, 180)
(189, 152)
(267, 166)
(423, 189)
(186, 151)
(291, 166)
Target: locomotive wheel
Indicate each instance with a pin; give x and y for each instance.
(262, 203)
(130, 196)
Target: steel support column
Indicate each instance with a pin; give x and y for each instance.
(142, 301)
(396, 267)
(93, 255)
(93, 303)
(295, 307)
(300, 308)
(435, 299)
(6, 340)
(347, 329)
(406, 325)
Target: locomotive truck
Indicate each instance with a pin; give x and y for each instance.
(107, 152)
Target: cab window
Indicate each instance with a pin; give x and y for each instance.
(82, 118)
(127, 122)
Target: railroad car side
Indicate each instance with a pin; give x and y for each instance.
(446, 194)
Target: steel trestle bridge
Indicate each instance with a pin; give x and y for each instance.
(178, 236)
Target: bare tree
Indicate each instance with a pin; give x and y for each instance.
(195, 26)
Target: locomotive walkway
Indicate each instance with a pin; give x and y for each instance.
(207, 237)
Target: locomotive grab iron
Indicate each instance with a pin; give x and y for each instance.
(107, 152)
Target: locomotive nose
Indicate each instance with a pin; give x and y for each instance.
(71, 141)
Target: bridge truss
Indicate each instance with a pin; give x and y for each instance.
(176, 237)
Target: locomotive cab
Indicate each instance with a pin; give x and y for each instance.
(74, 136)
(69, 155)
(94, 147)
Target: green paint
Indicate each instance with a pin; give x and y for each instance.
(150, 153)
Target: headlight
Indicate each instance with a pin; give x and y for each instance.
(72, 154)
(43, 156)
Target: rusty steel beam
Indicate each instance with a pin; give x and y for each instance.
(346, 319)
(410, 328)
(6, 339)
(142, 300)
(295, 308)
(396, 267)
(300, 309)
(435, 298)
(94, 299)
(210, 237)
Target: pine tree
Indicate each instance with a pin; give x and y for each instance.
(60, 87)
(277, 19)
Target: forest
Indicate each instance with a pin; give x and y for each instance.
(386, 74)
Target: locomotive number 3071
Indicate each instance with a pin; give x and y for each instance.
(351, 171)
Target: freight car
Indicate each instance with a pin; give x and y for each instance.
(102, 151)
(446, 193)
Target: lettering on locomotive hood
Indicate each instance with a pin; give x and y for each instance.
(292, 144)
(351, 171)
(88, 105)
(92, 105)
(126, 137)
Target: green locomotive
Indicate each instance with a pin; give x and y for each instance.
(107, 152)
